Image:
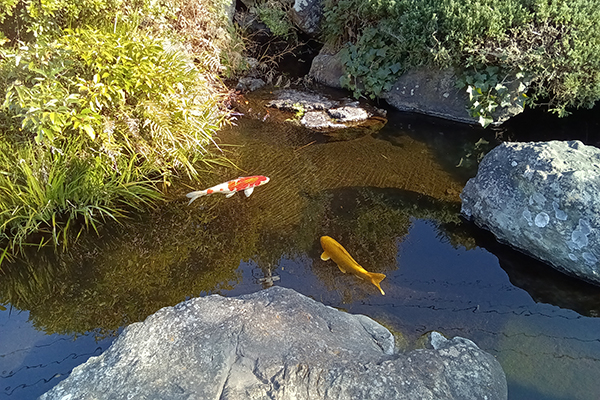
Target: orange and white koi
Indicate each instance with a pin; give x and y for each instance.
(247, 184)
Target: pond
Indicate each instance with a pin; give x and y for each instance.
(390, 197)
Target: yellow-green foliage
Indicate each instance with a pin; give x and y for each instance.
(275, 15)
(97, 88)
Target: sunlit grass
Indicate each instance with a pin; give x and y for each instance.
(94, 119)
(51, 196)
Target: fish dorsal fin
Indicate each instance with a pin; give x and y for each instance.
(325, 256)
(248, 191)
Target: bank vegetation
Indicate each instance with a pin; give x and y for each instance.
(552, 47)
(104, 102)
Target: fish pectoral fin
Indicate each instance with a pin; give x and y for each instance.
(228, 195)
(325, 256)
(248, 191)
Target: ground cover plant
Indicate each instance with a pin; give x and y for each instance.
(102, 106)
(551, 46)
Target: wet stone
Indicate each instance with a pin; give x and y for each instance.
(294, 100)
(348, 114)
(553, 184)
(319, 120)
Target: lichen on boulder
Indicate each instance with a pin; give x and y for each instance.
(542, 198)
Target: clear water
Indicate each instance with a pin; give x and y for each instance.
(390, 197)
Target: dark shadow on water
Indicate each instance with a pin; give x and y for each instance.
(543, 283)
(539, 125)
(458, 147)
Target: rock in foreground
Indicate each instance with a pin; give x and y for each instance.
(542, 198)
(277, 344)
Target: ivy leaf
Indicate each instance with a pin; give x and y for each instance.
(395, 68)
(470, 92)
(485, 121)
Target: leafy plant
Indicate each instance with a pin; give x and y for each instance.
(46, 192)
(77, 85)
(275, 15)
(94, 117)
(369, 70)
(556, 45)
(488, 89)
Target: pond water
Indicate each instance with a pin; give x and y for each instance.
(389, 197)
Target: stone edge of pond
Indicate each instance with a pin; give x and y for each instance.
(277, 343)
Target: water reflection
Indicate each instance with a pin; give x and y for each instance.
(363, 192)
(122, 277)
(391, 199)
(544, 284)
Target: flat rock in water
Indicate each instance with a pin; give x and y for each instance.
(319, 120)
(542, 198)
(292, 100)
(277, 344)
(320, 113)
(348, 114)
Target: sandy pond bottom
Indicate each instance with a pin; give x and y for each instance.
(390, 198)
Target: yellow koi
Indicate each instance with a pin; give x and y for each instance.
(334, 251)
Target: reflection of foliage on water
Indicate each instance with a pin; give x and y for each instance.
(370, 222)
(177, 251)
(474, 153)
(128, 275)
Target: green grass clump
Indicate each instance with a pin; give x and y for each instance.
(42, 193)
(552, 46)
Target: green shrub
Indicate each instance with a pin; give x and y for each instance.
(123, 93)
(106, 111)
(555, 44)
(275, 15)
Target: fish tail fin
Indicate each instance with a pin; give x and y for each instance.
(194, 195)
(375, 279)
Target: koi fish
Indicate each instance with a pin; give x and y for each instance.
(247, 184)
(334, 251)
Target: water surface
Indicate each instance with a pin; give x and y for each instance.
(390, 197)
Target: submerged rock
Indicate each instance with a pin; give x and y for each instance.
(249, 84)
(324, 114)
(277, 344)
(542, 198)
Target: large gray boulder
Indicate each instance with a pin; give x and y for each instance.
(434, 92)
(277, 344)
(542, 198)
